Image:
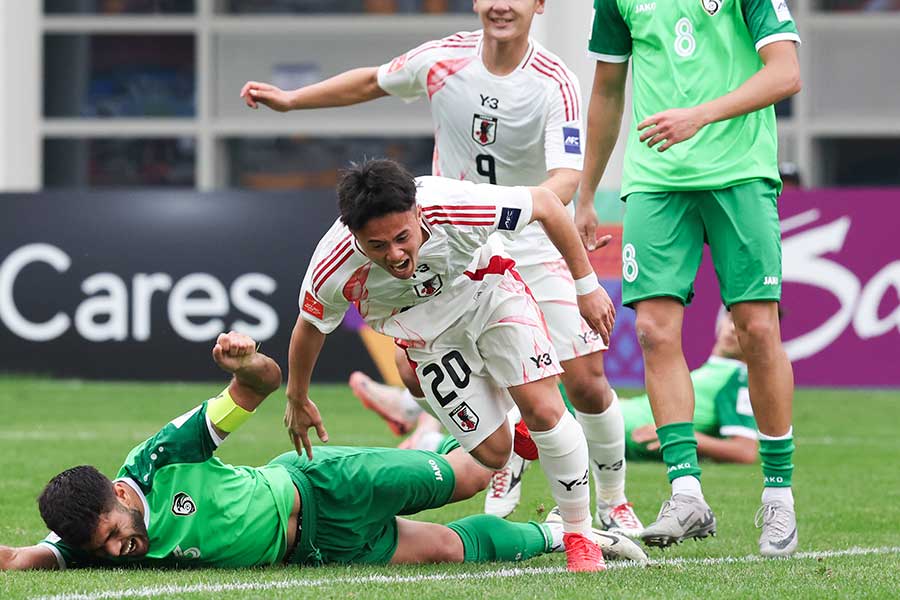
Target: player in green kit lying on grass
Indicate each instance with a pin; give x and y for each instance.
(174, 504)
(723, 418)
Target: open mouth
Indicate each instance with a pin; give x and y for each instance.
(399, 268)
(501, 21)
(132, 546)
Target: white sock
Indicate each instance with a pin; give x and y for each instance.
(778, 494)
(556, 537)
(787, 436)
(564, 458)
(687, 484)
(409, 404)
(605, 435)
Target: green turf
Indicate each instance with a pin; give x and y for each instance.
(847, 493)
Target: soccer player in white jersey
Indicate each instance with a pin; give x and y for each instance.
(505, 111)
(418, 260)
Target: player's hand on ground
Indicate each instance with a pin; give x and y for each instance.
(646, 434)
(299, 417)
(599, 311)
(233, 351)
(673, 125)
(255, 93)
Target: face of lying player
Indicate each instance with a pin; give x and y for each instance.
(392, 241)
(120, 533)
(505, 20)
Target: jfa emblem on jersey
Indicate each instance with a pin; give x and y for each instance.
(711, 6)
(484, 129)
(183, 505)
(465, 418)
(429, 288)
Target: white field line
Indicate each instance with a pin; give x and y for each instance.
(173, 590)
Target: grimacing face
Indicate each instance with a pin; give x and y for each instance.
(505, 20)
(392, 241)
(120, 533)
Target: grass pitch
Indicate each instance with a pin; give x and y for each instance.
(846, 487)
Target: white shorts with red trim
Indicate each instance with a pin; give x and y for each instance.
(552, 286)
(466, 370)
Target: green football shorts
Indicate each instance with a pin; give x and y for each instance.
(663, 237)
(351, 497)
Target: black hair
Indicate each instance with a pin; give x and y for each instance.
(71, 504)
(372, 189)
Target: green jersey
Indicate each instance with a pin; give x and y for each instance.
(684, 53)
(198, 510)
(721, 405)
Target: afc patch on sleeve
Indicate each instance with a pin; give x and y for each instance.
(313, 306)
(572, 140)
(782, 11)
(509, 218)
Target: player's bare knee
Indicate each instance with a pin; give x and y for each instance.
(494, 452)
(655, 336)
(757, 332)
(542, 416)
(447, 547)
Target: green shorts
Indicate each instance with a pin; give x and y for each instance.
(351, 497)
(663, 237)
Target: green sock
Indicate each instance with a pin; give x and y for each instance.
(776, 461)
(569, 407)
(679, 449)
(447, 445)
(489, 538)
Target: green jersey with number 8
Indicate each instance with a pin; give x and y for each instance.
(685, 53)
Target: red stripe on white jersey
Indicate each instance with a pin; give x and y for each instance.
(334, 268)
(442, 221)
(560, 74)
(436, 45)
(339, 248)
(457, 215)
(459, 207)
(498, 265)
(562, 89)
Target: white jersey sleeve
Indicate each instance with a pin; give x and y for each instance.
(474, 211)
(321, 302)
(411, 75)
(563, 130)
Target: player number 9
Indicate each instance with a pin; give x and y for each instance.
(486, 167)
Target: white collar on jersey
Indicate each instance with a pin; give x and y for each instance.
(133, 485)
(528, 54)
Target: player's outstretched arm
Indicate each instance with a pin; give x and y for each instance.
(778, 79)
(301, 413)
(350, 87)
(735, 449)
(27, 557)
(255, 377)
(593, 301)
(604, 120)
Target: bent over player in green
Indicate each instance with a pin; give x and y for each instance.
(173, 503)
(700, 166)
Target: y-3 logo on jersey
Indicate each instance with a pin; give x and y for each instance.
(542, 360)
(489, 102)
(183, 505)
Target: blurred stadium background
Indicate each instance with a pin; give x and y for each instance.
(145, 207)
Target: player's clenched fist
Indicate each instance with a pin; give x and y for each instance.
(233, 350)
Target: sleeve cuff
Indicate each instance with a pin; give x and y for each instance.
(778, 37)
(610, 58)
(59, 557)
